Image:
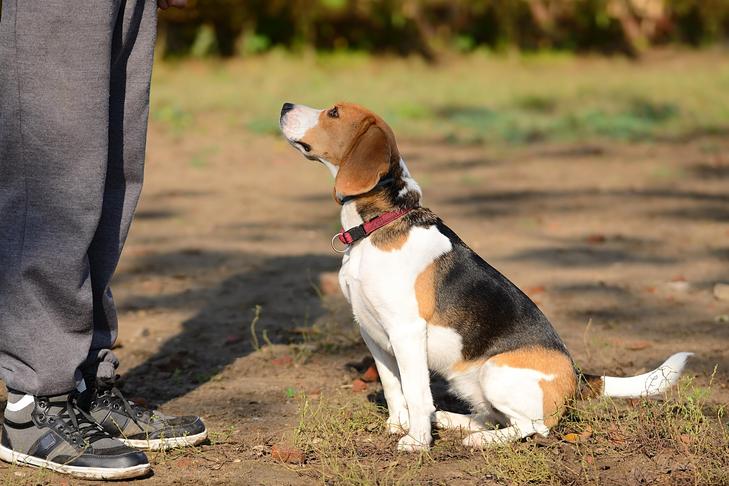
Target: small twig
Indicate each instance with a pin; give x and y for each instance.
(254, 337)
(265, 338)
(585, 341)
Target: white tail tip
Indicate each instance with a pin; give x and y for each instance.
(652, 383)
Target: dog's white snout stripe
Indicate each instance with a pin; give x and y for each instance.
(299, 120)
(20, 404)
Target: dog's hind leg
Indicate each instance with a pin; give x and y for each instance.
(518, 395)
(449, 420)
(485, 438)
(466, 384)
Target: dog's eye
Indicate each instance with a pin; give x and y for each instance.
(333, 113)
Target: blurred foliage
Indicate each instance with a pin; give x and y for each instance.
(431, 27)
(470, 99)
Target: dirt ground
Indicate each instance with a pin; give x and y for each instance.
(619, 244)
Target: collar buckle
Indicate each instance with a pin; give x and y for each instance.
(338, 237)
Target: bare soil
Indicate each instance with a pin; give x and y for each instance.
(620, 245)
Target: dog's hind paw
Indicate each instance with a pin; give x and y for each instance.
(408, 443)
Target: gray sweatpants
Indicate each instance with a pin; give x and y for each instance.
(74, 101)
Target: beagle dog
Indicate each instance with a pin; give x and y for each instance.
(425, 301)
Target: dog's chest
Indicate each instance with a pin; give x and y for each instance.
(380, 285)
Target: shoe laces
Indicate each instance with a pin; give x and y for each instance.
(77, 425)
(116, 398)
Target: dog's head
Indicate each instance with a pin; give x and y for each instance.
(357, 145)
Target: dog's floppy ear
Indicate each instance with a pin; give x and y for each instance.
(365, 163)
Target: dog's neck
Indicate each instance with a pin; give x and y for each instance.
(402, 193)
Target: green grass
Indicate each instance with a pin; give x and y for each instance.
(474, 99)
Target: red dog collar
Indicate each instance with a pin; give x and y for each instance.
(365, 229)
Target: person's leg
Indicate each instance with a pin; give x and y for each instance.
(54, 115)
(132, 52)
(131, 66)
(54, 145)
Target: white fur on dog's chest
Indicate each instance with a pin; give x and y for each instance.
(380, 285)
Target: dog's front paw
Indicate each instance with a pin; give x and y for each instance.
(398, 423)
(408, 443)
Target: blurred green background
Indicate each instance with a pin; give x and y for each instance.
(430, 28)
(491, 71)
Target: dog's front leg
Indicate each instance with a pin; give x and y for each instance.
(397, 422)
(409, 342)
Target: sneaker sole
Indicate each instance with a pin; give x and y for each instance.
(13, 457)
(167, 443)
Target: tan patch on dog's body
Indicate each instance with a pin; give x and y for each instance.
(465, 365)
(556, 392)
(425, 292)
(591, 386)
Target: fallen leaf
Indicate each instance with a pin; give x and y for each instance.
(638, 345)
(359, 386)
(596, 239)
(282, 361)
(287, 453)
(572, 438)
(370, 375)
(578, 437)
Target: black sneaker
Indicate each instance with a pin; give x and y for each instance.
(140, 427)
(55, 433)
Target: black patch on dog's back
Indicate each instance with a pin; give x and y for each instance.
(489, 312)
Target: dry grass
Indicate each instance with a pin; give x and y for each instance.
(680, 439)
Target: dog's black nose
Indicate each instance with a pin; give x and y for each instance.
(286, 108)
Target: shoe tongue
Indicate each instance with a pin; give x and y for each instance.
(58, 406)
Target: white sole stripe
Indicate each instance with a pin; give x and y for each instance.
(14, 457)
(168, 443)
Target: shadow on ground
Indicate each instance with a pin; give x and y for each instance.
(220, 331)
(704, 206)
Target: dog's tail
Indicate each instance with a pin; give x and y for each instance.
(648, 384)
